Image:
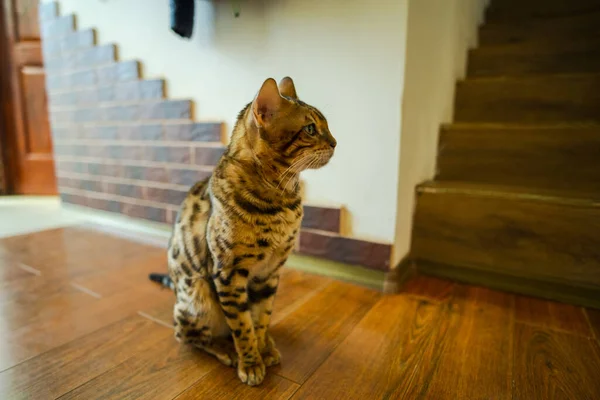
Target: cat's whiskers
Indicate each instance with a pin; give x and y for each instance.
(291, 171)
(309, 159)
(323, 157)
(291, 175)
(314, 162)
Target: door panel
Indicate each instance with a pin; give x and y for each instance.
(38, 160)
(26, 20)
(37, 129)
(29, 53)
(31, 136)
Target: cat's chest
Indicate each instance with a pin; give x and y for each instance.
(266, 267)
(274, 244)
(275, 237)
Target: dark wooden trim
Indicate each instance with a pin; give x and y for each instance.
(578, 295)
(397, 277)
(7, 121)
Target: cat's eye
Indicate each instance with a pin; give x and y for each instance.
(310, 129)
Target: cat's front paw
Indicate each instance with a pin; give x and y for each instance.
(229, 359)
(271, 356)
(252, 373)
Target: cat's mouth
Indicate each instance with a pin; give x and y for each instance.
(322, 157)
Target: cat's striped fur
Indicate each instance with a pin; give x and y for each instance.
(235, 231)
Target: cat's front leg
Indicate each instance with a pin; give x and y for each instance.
(261, 295)
(231, 284)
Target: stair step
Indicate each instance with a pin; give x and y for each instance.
(564, 157)
(513, 10)
(540, 47)
(534, 236)
(541, 31)
(493, 61)
(529, 99)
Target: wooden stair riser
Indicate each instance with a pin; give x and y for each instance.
(566, 158)
(530, 238)
(484, 63)
(510, 11)
(529, 99)
(541, 31)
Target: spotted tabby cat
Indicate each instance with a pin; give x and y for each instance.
(235, 230)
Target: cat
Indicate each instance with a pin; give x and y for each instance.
(235, 230)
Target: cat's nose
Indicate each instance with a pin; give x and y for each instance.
(332, 142)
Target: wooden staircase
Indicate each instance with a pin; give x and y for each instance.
(515, 203)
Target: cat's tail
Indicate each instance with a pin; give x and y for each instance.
(162, 279)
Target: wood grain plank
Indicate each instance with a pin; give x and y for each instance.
(16, 286)
(223, 383)
(594, 319)
(163, 311)
(428, 287)
(30, 288)
(389, 354)
(11, 270)
(553, 315)
(41, 336)
(162, 373)
(295, 289)
(477, 364)
(64, 368)
(125, 277)
(27, 306)
(554, 365)
(71, 252)
(320, 325)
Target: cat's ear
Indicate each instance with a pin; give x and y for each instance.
(287, 88)
(267, 103)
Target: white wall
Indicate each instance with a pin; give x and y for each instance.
(439, 35)
(346, 57)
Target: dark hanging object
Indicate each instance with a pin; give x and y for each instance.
(182, 17)
(235, 5)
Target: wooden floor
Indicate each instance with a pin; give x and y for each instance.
(79, 320)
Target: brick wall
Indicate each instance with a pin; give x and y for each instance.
(119, 144)
(122, 146)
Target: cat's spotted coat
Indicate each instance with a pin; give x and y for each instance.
(235, 230)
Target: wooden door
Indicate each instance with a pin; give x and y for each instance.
(27, 129)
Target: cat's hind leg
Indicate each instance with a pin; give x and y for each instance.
(198, 321)
(222, 349)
